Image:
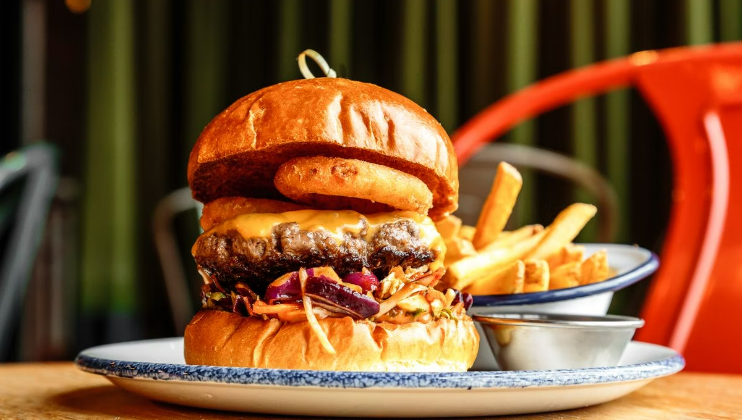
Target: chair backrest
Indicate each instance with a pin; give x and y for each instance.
(177, 286)
(696, 94)
(23, 212)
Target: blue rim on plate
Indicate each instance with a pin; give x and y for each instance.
(670, 363)
(626, 278)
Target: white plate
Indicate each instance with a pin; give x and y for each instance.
(155, 369)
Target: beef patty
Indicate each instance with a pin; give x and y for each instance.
(258, 261)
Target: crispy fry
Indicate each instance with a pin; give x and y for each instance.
(595, 268)
(570, 253)
(489, 260)
(507, 280)
(517, 235)
(498, 206)
(457, 249)
(449, 227)
(536, 276)
(504, 234)
(467, 232)
(567, 275)
(573, 253)
(563, 230)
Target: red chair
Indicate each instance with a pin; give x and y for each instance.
(695, 301)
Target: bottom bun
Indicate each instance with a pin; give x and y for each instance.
(221, 338)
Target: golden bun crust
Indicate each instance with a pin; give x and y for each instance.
(240, 150)
(221, 338)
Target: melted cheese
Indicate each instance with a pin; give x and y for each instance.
(336, 223)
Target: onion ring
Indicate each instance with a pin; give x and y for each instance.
(225, 208)
(336, 183)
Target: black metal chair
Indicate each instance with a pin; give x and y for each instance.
(173, 267)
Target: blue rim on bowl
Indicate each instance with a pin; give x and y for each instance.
(628, 274)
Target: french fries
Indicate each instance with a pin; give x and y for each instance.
(467, 232)
(536, 276)
(595, 268)
(570, 253)
(565, 276)
(486, 260)
(457, 247)
(458, 250)
(512, 238)
(499, 205)
(507, 280)
(565, 228)
(449, 227)
(483, 265)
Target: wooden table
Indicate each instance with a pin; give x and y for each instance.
(60, 391)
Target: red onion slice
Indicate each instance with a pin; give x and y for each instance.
(366, 280)
(284, 289)
(338, 298)
(467, 298)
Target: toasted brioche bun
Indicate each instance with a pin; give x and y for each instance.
(221, 338)
(240, 150)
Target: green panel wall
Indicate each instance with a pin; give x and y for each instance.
(341, 16)
(289, 41)
(730, 15)
(206, 57)
(584, 113)
(413, 59)
(699, 21)
(522, 56)
(447, 59)
(617, 44)
(109, 263)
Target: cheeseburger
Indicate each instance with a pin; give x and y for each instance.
(319, 248)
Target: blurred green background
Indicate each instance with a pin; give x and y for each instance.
(123, 88)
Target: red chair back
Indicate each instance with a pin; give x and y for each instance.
(695, 300)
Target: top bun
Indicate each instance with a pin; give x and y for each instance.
(240, 150)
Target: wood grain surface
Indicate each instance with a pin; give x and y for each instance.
(60, 391)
